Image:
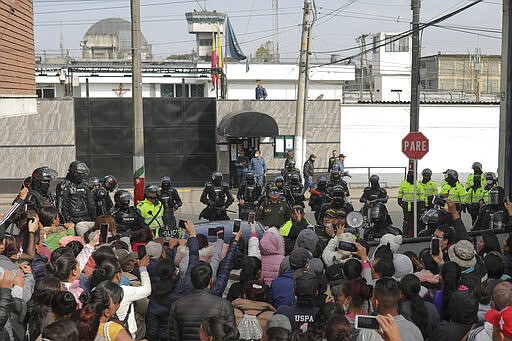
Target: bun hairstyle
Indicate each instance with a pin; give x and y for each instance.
(358, 290)
(220, 329)
(106, 271)
(63, 304)
(88, 318)
(62, 265)
(256, 291)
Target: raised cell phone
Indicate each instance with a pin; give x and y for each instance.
(141, 251)
(251, 217)
(434, 246)
(366, 322)
(103, 233)
(236, 225)
(181, 224)
(346, 246)
(212, 232)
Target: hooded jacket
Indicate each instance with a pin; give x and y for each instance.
(272, 254)
(309, 240)
(262, 310)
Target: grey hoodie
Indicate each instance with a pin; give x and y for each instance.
(307, 239)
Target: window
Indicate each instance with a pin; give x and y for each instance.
(283, 144)
(400, 45)
(196, 90)
(179, 90)
(45, 93)
(176, 90)
(167, 90)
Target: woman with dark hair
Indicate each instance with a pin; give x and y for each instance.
(429, 275)
(338, 328)
(217, 329)
(316, 330)
(67, 269)
(423, 314)
(254, 303)
(106, 219)
(62, 330)
(39, 309)
(63, 305)
(352, 269)
(53, 229)
(353, 298)
(488, 243)
(251, 271)
(22, 247)
(449, 278)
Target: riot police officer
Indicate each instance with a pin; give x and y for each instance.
(334, 180)
(289, 171)
(171, 200)
(338, 202)
(429, 188)
(39, 191)
(297, 190)
(453, 190)
(127, 217)
(379, 223)
(284, 191)
(477, 173)
(373, 194)
(217, 198)
(109, 183)
(102, 200)
(475, 197)
(490, 182)
(494, 211)
(75, 201)
(152, 209)
(319, 196)
(248, 196)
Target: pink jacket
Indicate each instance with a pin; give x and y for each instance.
(272, 253)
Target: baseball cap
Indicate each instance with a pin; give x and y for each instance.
(273, 188)
(298, 208)
(124, 256)
(305, 283)
(330, 212)
(501, 320)
(279, 321)
(339, 213)
(342, 155)
(299, 258)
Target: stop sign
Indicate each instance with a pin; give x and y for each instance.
(415, 146)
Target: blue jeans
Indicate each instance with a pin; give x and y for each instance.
(259, 178)
(241, 174)
(308, 183)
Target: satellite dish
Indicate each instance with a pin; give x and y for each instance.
(355, 219)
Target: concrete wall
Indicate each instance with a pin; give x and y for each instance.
(322, 132)
(31, 141)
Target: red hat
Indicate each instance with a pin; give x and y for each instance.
(501, 319)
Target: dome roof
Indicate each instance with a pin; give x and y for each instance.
(114, 26)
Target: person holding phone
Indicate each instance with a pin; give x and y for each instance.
(291, 229)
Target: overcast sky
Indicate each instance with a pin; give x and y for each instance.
(338, 25)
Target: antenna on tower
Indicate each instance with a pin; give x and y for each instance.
(275, 28)
(61, 41)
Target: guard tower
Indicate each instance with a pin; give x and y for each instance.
(204, 24)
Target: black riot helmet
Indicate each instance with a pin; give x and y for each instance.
(78, 171)
(435, 217)
(374, 181)
(335, 175)
(94, 182)
(497, 195)
(427, 175)
(217, 178)
(410, 177)
(294, 179)
(477, 167)
(122, 198)
(338, 192)
(497, 220)
(291, 165)
(278, 181)
(321, 181)
(110, 183)
(490, 179)
(378, 213)
(451, 176)
(250, 178)
(41, 178)
(151, 189)
(165, 183)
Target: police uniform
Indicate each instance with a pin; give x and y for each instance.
(274, 214)
(406, 201)
(153, 214)
(217, 198)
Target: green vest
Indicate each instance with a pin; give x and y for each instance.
(429, 190)
(474, 196)
(456, 194)
(285, 229)
(406, 193)
(146, 206)
(470, 180)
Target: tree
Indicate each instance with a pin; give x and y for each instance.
(263, 53)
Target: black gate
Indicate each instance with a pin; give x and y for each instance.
(179, 138)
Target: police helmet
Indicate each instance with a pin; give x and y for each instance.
(322, 180)
(249, 177)
(150, 189)
(476, 166)
(450, 173)
(94, 182)
(497, 220)
(294, 178)
(79, 170)
(374, 180)
(217, 176)
(338, 191)
(335, 174)
(490, 177)
(110, 183)
(44, 174)
(291, 164)
(426, 172)
(497, 195)
(378, 212)
(123, 198)
(278, 178)
(26, 182)
(165, 182)
(435, 217)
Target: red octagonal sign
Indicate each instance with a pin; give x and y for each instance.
(415, 146)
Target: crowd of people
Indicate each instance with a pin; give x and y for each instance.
(77, 266)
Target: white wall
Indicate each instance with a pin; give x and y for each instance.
(387, 83)
(284, 90)
(459, 135)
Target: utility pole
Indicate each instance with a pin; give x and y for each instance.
(275, 29)
(415, 96)
(302, 94)
(360, 39)
(138, 116)
(477, 75)
(364, 65)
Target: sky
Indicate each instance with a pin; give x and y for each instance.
(338, 24)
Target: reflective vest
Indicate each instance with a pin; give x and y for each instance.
(474, 196)
(456, 194)
(406, 193)
(470, 181)
(285, 229)
(429, 190)
(149, 211)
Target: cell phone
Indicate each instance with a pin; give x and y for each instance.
(251, 217)
(366, 322)
(181, 224)
(103, 233)
(346, 246)
(439, 201)
(434, 246)
(236, 225)
(212, 232)
(141, 251)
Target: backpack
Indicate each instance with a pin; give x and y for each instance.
(249, 326)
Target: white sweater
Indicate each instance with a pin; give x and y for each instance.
(132, 294)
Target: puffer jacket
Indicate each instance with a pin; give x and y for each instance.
(187, 314)
(262, 310)
(272, 254)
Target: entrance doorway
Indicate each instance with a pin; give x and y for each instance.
(249, 145)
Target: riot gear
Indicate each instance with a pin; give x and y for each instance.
(165, 183)
(410, 177)
(378, 213)
(248, 196)
(490, 180)
(451, 176)
(294, 179)
(335, 176)
(477, 167)
(374, 181)
(217, 198)
(94, 182)
(495, 205)
(279, 179)
(39, 188)
(291, 165)
(171, 200)
(373, 194)
(322, 183)
(319, 196)
(151, 189)
(297, 190)
(432, 219)
(497, 196)
(127, 217)
(498, 220)
(250, 178)
(379, 223)
(110, 183)
(78, 171)
(427, 173)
